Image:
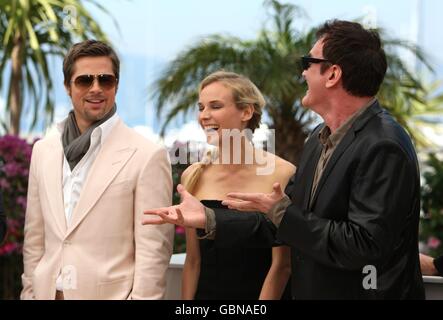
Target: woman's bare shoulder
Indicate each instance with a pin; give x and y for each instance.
(283, 168)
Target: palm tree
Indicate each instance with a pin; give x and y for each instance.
(272, 62)
(415, 107)
(31, 33)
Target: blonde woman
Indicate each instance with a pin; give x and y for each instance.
(231, 103)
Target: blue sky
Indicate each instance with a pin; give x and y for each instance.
(162, 28)
(153, 32)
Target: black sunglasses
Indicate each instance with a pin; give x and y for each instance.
(306, 61)
(85, 81)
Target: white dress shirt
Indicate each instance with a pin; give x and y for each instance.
(74, 180)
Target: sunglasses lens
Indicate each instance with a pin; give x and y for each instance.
(305, 63)
(107, 81)
(84, 81)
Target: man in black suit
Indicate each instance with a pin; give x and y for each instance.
(351, 213)
(2, 220)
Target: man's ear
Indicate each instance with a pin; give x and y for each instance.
(334, 76)
(68, 90)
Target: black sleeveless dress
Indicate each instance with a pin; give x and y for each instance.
(232, 273)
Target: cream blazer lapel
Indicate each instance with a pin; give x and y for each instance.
(53, 176)
(112, 157)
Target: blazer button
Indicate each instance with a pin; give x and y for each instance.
(66, 243)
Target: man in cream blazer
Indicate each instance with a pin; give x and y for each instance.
(88, 186)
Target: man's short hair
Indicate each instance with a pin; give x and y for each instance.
(88, 48)
(358, 52)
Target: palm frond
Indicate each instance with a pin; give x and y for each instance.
(271, 61)
(33, 28)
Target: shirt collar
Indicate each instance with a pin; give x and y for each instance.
(102, 131)
(333, 139)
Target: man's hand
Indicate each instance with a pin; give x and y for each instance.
(262, 202)
(427, 265)
(189, 213)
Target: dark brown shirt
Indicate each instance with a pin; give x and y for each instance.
(330, 141)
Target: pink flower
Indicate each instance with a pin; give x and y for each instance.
(15, 155)
(179, 230)
(433, 242)
(21, 201)
(11, 169)
(4, 184)
(8, 248)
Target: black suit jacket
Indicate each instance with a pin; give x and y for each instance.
(365, 212)
(2, 220)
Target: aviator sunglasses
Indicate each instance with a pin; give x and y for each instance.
(306, 61)
(85, 81)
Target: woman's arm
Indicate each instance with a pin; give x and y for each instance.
(278, 275)
(280, 271)
(191, 269)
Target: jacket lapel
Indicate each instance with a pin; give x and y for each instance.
(349, 137)
(112, 157)
(307, 165)
(53, 171)
(343, 145)
(310, 171)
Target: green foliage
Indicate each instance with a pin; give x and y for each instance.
(271, 61)
(32, 32)
(431, 228)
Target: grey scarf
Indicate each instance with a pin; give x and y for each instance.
(75, 144)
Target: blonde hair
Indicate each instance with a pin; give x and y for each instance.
(244, 92)
(192, 178)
